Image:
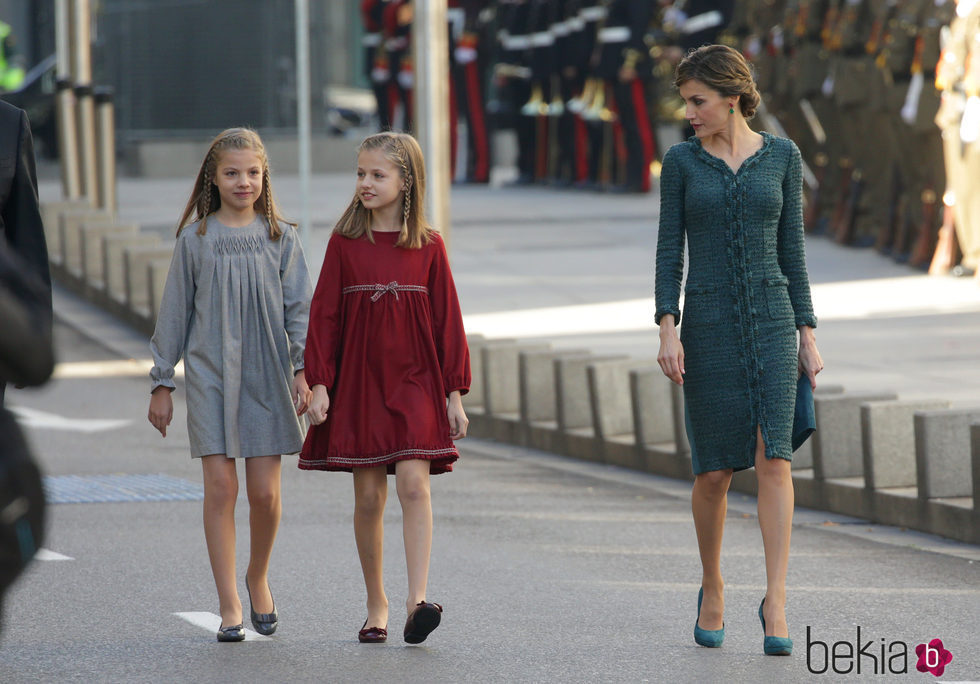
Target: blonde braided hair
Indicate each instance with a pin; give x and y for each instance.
(403, 151)
(204, 201)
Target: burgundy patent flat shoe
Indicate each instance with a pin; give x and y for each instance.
(425, 618)
(372, 635)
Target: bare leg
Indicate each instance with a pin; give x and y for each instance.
(370, 494)
(262, 481)
(412, 482)
(220, 494)
(709, 503)
(776, 522)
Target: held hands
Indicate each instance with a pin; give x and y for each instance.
(810, 361)
(161, 409)
(458, 422)
(301, 393)
(671, 354)
(319, 404)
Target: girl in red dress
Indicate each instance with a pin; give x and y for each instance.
(387, 360)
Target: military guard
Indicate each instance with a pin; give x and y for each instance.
(958, 80)
(468, 64)
(512, 76)
(397, 32)
(375, 61)
(623, 65)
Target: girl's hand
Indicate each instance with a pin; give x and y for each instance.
(302, 394)
(319, 404)
(161, 409)
(458, 422)
(671, 354)
(810, 361)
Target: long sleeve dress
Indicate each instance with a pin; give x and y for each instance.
(386, 339)
(747, 291)
(236, 308)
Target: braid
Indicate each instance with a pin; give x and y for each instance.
(267, 198)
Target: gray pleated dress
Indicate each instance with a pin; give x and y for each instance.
(235, 307)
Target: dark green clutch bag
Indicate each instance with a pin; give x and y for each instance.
(804, 418)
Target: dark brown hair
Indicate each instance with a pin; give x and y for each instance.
(204, 201)
(724, 70)
(404, 152)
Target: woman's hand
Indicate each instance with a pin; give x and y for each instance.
(161, 409)
(810, 361)
(458, 422)
(671, 354)
(319, 404)
(301, 393)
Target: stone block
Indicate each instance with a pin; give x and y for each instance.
(90, 238)
(501, 389)
(51, 220)
(975, 462)
(681, 444)
(942, 452)
(157, 280)
(574, 408)
(474, 398)
(113, 248)
(136, 261)
(652, 405)
(609, 397)
(803, 457)
(837, 443)
(888, 441)
(69, 235)
(536, 372)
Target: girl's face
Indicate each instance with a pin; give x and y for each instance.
(238, 175)
(379, 181)
(706, 109)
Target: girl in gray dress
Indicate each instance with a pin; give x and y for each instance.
(734, 196)
(236, 307)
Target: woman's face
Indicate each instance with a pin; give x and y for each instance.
(706, 109)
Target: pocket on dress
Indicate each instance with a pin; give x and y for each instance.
(777, 298)
(700, 306)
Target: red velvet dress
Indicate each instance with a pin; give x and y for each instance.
(386, 339)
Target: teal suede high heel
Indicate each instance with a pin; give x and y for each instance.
(773, 645)
(710, 638)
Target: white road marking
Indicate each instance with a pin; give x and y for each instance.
(40, 419)
(49, 555)
(211, 623)
(137, 368)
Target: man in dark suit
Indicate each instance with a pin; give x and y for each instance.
(20, 215)
(26, 354)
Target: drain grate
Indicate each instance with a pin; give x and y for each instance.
(119, 488)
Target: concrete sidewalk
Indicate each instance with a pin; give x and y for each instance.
(577, 269)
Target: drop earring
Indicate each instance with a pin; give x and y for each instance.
(731, 110)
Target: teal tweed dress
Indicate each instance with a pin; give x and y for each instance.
(746, 292)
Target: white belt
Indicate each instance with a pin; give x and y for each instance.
(561, 29)
(592, 13)
(399, 43)
(614, 34)
(371, 40)
(516, 42)
(542, 39)
(702, 22)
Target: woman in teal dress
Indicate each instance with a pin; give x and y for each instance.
(735, 197)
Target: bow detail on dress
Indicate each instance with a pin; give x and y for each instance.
(380, 290)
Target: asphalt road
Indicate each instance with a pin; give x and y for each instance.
(550, 570)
